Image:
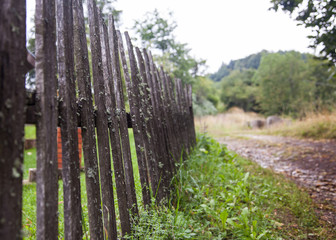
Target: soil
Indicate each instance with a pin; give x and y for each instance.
(310, 163)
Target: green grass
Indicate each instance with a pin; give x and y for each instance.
(217, 196)
(30, 131)
(29, 161)
(29, 195)
(221, 196)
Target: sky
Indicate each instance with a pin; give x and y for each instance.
(220, 30)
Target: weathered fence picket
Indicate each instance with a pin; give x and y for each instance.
(12, 77)
(47, 117)
(160, 114)
(68, 121)
(102, 124)
(114, 131)
(88, 124)
(133, 88)
(121, 115)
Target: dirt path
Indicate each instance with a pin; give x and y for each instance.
(310, 163)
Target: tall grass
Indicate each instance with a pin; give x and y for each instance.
(233, 121)
(314, 125)
(220, 196)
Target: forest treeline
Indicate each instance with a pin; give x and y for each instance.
(285, 82)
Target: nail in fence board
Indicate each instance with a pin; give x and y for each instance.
(88, 124)
(68, 121)
(102, 125)
(47, 114)
(114, 130)
(134, 97)
(12, 85)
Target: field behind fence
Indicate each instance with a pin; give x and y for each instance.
(160, 114)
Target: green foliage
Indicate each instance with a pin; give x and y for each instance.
(156, 32)
(232, 198)
(106, 7)
(30, 131)
(289, 83)
(205, 96)
(216, 196)
(223, 71)
(240, 90)
(251, 61)
(319, 16)
(293, 84)
(29, 161)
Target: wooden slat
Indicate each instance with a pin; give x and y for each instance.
(177, 122)
(135, 100)
(180, 117)
(193, 134)
(132, 116)
(157, 134)
(122, 117)
(159, 122)
(165, 168)
(68, 121)
(175, 130)
(148, 125)
(88, 124)
(46, 133)
(114, 131)
(102, 125)
(12, 98)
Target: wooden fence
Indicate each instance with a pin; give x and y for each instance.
(160, 113)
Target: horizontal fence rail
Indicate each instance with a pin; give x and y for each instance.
(160, 115)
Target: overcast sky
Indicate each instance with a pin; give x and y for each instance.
(221, 30)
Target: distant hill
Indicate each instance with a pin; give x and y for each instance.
(251, 61)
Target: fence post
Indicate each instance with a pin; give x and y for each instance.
(12, 97)
(88, 124)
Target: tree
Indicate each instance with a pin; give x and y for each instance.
(285, 84)
(205, 96)
(318, 15)
(239, 90)
(106, 7)
(156, 32)
(251, 61)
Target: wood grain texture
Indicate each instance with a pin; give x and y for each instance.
(114, 130)
(47, 117)
(102, 124)
(12, 97)
(86, 111)
(134, 97)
